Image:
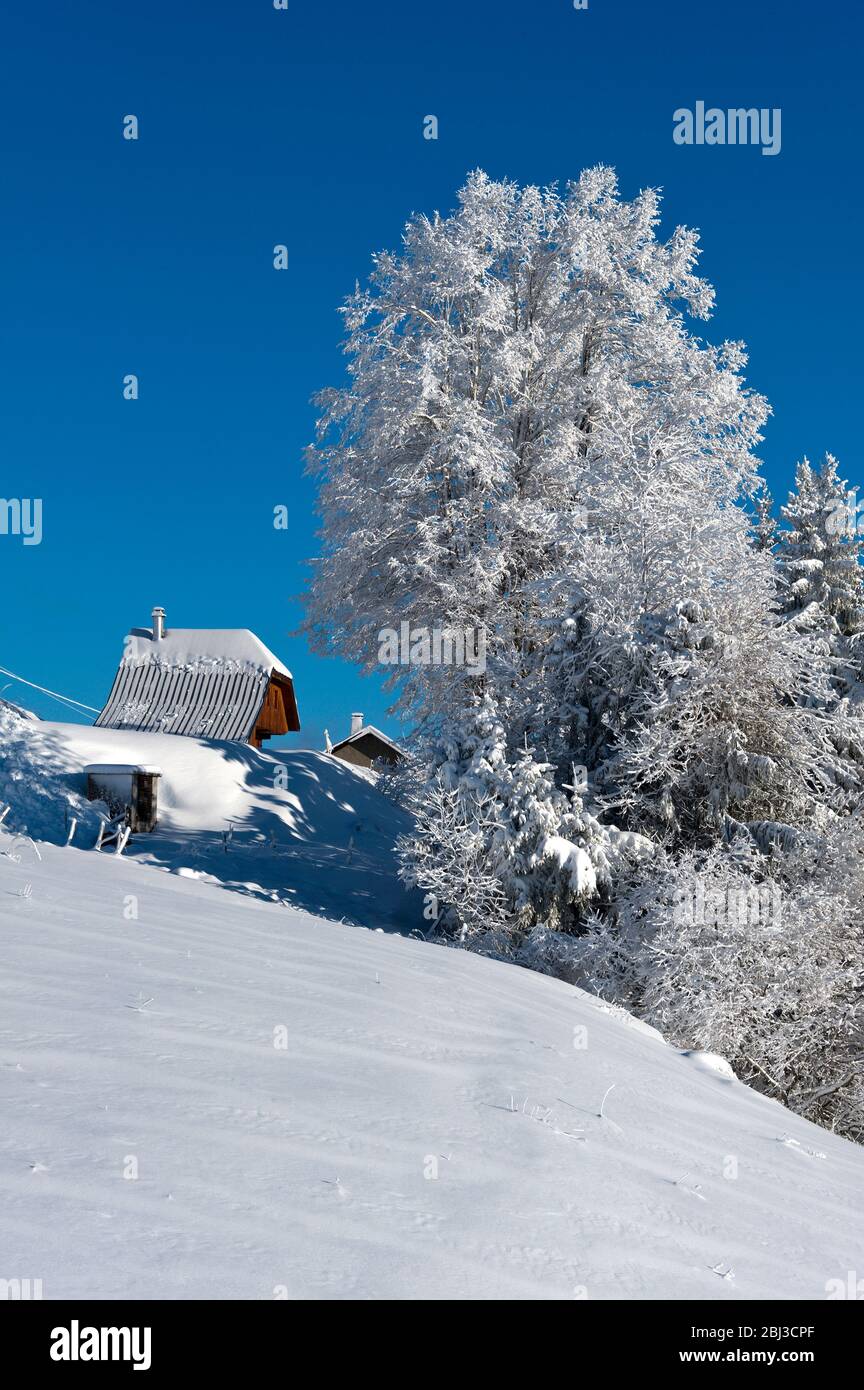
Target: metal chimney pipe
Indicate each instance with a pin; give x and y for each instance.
(356, 723)
(158, 624)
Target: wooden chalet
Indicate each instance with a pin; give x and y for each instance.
(214, 683)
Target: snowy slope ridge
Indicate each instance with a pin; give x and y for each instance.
(36, 794)
(209, 1095)
(304, 826)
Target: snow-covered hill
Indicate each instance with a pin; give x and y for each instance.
(305, 827)
(207, 1094)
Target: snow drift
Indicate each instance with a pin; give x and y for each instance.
(297, 825)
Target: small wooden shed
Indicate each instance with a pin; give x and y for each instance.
(126, 788)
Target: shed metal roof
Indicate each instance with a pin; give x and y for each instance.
(204, 683)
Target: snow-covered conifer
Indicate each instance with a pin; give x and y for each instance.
(482, 818)
(764, 524)
(819, 555)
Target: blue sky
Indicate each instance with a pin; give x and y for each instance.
(305, 127)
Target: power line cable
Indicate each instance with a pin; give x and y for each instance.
(64, 699)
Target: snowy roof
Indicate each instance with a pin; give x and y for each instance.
(361, 733)
(187, 646)
(201, 682)
(120, 769)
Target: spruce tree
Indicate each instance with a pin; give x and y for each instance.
(819, 555)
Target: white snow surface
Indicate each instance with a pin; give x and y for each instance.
(431, 1128)
(229, 647)
(436, 1125)
(303, 825)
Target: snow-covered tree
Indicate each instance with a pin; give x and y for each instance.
(757, 958)
(547, 443)
(764, 523)
(447, 856)
(484, 819)
(667, 670)
(821, 597)
(819, 555)
(535, 445)
(707, 734)
(498, 365)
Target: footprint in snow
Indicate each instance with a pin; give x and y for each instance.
(788, 1142)
(693, 1189)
